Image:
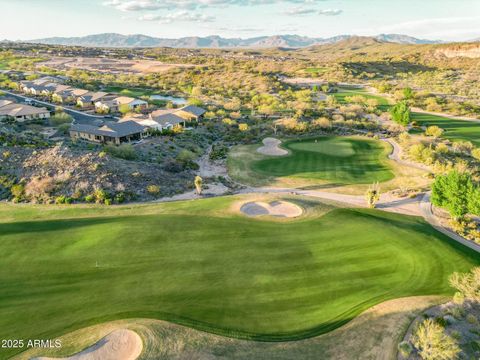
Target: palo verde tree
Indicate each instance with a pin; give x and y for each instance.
(401, 113)
(373, 195)
(198, 184)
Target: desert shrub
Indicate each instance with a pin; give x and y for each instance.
(432, 343)
(120, 197)
(405, 349)
(218, 152)
(468, 284)
(60, 118)
(124, 151)
(458, 298)
(153, 189)
(62, 199)
(90, 198)
(18, 192)
(434, 131)
(107, 201)
(471, 319)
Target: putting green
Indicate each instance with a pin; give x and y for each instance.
(198, 264)
(342, 160)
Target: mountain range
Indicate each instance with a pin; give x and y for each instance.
(287, 41)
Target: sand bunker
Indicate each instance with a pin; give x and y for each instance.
(271, 147)
(119, 345)
(274, 208)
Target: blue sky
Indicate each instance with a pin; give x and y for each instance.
(432, 19)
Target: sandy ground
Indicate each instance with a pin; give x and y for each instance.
(121, 344)
(275, 208)
(110, 65)
(271, 147)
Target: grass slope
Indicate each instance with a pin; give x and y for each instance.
(198, 264)
(454, 129)
(344, 160)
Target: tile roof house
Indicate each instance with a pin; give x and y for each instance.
(112, 133)
(22, 112)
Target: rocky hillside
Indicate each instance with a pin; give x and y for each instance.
(50, 173)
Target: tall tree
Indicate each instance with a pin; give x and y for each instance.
(401, 113)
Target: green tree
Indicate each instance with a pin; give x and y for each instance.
(401, 113)
(432, 343)
(451, 191)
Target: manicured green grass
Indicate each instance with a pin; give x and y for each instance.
(343, 160)
(197, 264)
(342, 93)
(133, 92)
(455, 130)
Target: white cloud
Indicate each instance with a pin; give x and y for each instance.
(141, 5)
(330, 12)
(177, 16)
(299, 11)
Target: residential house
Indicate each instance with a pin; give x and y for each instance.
(22, 112)
(190, 113)
(113, 133)
(161, 120)
(69, 95)
(4, 102)
(114, 104)
(51, 89)
(90, 98)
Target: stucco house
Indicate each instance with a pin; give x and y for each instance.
(22, 112)
(114, 133)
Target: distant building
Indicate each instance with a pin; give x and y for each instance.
(164, 119)
(114, 133)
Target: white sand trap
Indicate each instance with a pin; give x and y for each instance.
(271, 147)
(120, 344)
(274, 208)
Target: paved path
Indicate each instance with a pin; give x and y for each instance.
(396, 156)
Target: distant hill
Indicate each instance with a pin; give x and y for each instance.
(287, 41)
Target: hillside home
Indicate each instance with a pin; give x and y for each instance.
(161, 120)
(114, 133)
(22, 112)
(4, 102)
(190, 113)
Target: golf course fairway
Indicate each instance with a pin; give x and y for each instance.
(343, 160)
(201, 264)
